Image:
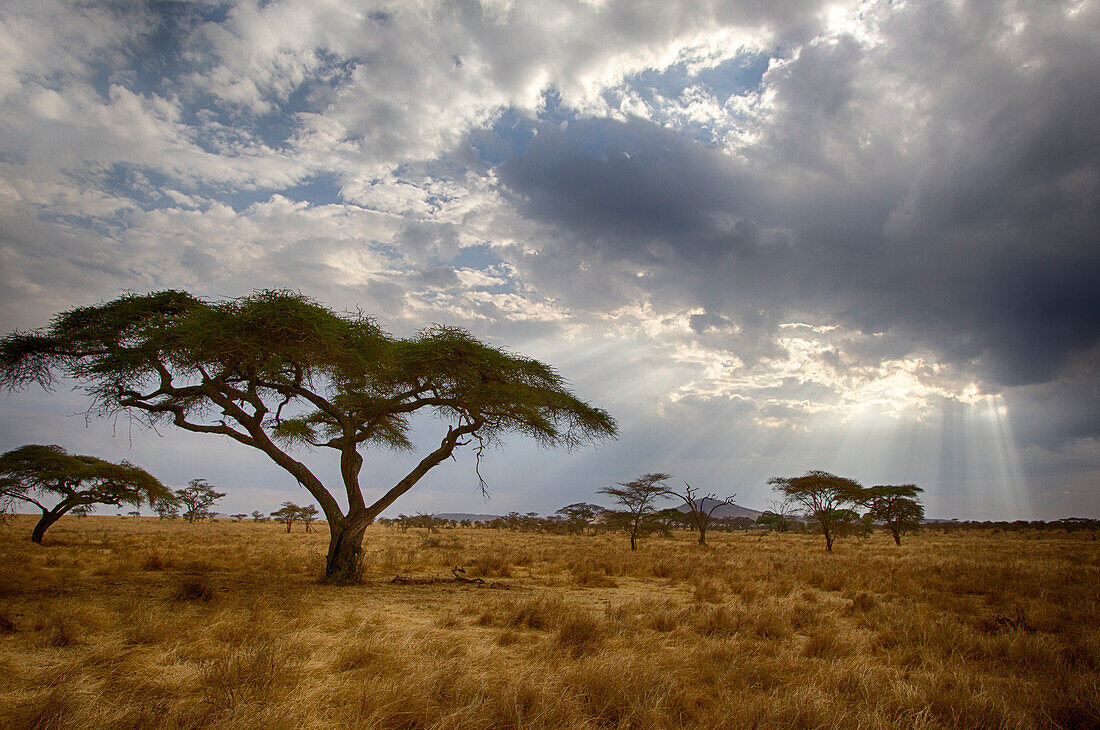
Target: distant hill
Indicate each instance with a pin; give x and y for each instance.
(725, 511)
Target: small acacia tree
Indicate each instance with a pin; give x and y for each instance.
(638, 497)
(198, 497)
(307, 515)
(700, 509)
(287, 514)
(34, 472)
(578, 516)
(823, 496)
(896, 506)
(276, 370)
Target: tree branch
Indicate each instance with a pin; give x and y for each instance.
(446, 448)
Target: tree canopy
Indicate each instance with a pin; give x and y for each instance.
(32, 473)
(897, 506)
(198, 497)
(276, 370)
(823, 496)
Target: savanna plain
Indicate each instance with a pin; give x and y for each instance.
(142, 623)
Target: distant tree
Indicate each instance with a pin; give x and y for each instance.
(823, 496)
(198, 497)
(258, 516)
(579, 515)
(865, 526)
(779, 517)
(664, 521)
(239, 516)
(733, 523)
(700, 509)
(896, 506)
(288, 514)
(276, 370)
(81, 510)
(307, 515)
(167, 509)
(638, 497)
(429, 522)
(30, 473)
(134, 513)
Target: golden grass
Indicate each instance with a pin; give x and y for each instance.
(139, 623)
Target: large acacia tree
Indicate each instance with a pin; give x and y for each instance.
(38, 474)
(276, 370)
(827, 499)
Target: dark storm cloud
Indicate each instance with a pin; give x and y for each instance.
(619, 181)
(976, 238)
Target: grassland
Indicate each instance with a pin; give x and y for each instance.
(139, 623)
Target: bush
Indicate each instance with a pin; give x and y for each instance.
(194, 588)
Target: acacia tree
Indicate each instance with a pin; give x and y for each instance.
(287, 514)
(700, 509)
(779, 516)
(307, 515)
(897, 506)
(33, 472)
(638, 497)
(823, 496)
(198, 497)
(577, 516)
(276, 370)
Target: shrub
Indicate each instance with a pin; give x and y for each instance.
(194, 588)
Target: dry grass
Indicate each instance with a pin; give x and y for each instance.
(148, 624)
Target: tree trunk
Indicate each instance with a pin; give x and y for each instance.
(702, 534)
(48, 518)
(288, 528)
(633, 542)
(828, 540)
(345, 552)
(897, 535)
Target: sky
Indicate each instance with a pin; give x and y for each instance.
(767, 237)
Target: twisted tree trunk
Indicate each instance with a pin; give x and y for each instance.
(344, 565)
(48, 518)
